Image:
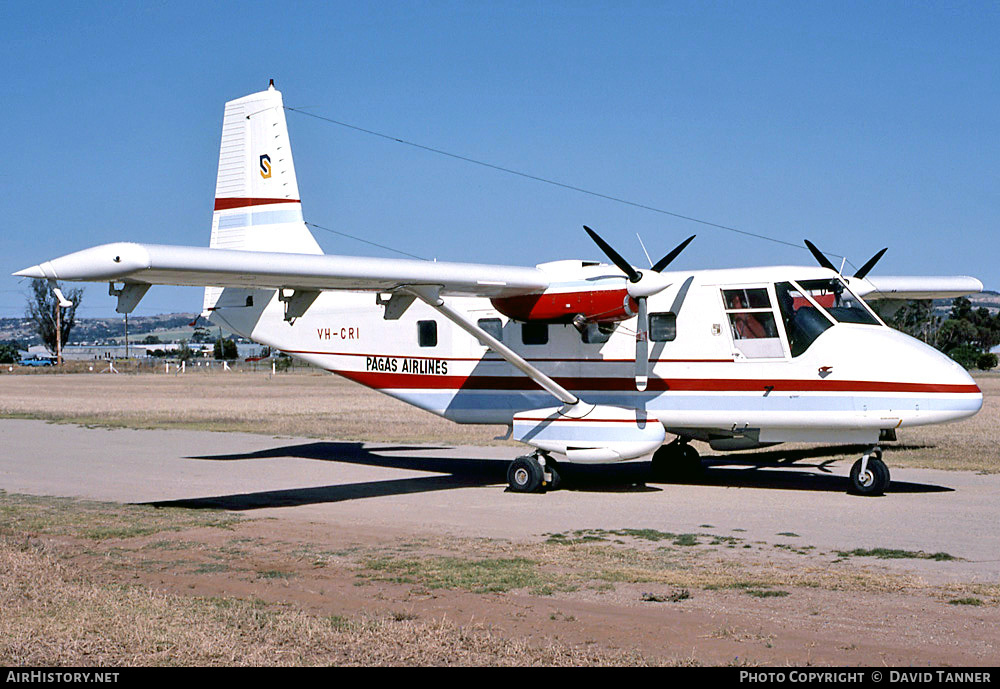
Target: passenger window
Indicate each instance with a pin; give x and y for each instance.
(597, 333)
(662, 327)
(494, 326)
(427, 333)
(535, 333)
(751, 321)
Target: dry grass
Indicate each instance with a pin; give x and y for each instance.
(319, 405)
(711, 564)
(72, 591)
(304, 404)
(55, 615)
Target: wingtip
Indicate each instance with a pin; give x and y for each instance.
(32, 272)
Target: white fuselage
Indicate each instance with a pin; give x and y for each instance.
(853, 381)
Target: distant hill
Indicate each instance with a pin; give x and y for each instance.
(91, 330)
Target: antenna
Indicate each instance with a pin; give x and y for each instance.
(644, 249)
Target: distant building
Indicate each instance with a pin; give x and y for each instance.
(136, 351)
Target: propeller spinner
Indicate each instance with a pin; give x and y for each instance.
(641, 285)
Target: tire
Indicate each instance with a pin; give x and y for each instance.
(876, 479)
(553, 468)
(676, 461)
(524, 475)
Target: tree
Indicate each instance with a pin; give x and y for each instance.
(41, 311)
(966, 335)
(915, 318)
(201, 335)
(987, 361)
(9, 354)
(184, 353)
(225, 348)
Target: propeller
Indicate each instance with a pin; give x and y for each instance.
(641, 286)
(825, 262)
(820, 258)
(866, 268)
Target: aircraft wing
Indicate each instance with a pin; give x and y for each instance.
(915, 287)
(157, 264)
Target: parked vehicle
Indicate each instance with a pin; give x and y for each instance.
(38, 361)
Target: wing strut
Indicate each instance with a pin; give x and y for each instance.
(430, 294)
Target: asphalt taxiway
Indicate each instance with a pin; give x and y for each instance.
(461, 490)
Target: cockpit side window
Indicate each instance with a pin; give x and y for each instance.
(803, 321)
(839, 302)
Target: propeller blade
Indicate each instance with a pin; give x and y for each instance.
(666, 260)
(642, 347)
(820, 258)
(866, 268)
(632, 273)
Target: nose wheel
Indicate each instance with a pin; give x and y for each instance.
(870, 475)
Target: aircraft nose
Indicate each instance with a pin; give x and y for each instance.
(942, 389)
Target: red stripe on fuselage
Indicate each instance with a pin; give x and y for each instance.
(405, 381)
(226, 204)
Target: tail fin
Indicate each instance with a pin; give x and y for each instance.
(257, 206)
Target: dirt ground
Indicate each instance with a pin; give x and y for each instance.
(222, 588)
(585, 599)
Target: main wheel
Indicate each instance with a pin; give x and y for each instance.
(875, 479)
(524, 475)
(676, 461)
(552, 468)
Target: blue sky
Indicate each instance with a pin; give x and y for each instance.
(855, 124)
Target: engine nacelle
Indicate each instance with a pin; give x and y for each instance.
(605, 305)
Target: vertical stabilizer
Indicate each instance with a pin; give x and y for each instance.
(257, 206)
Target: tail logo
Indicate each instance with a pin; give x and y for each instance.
(265, 166)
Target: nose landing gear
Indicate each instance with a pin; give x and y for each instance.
(870, 475)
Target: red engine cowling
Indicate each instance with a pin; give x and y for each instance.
(561, 307)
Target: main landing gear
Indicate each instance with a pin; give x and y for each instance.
(534, 473)
(870, 475)
(676, 460)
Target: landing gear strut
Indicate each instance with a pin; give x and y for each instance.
(870, 475)
(676, 460)
(535, 473)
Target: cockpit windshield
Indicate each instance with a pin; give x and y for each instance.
(804, 322)
(839, 302)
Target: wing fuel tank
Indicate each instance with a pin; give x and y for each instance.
(602, 433)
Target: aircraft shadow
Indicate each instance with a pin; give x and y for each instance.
(451, 473)
(768, 472)
(607, 478)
